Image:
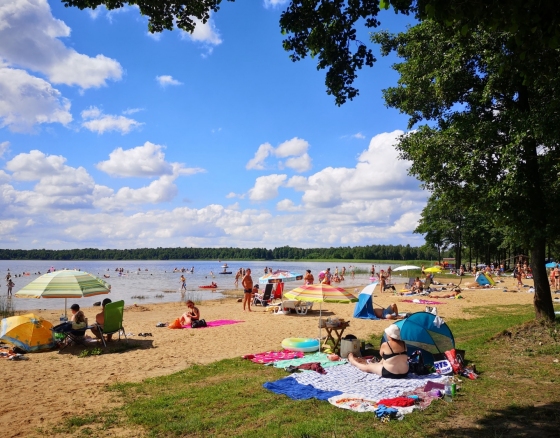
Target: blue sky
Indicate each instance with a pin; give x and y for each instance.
(114, 138)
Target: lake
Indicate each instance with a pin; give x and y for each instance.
(151, 278)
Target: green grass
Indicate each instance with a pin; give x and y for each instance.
(517, 394)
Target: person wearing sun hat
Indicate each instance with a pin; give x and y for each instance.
(394, 360)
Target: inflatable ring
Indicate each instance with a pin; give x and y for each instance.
(300, 344)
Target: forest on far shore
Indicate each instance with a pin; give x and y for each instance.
(371, 252)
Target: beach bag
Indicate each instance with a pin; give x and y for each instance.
(199, 323)
(416, 364)
(455, 360)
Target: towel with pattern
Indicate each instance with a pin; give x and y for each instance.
(272, 356)
(308, 358)
(349, 379)
(417, 301)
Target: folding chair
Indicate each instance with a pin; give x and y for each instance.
(113, 314)
(278, 291)
(263, 299)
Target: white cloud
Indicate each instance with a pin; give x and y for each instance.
(287, 205)
(147, 160)
(266, 187)
(166, 80)
(359, 136)
(205, 33)
(273, 3)
(296, 149)
(130, 111)
(30, 38)
(96, 121)
(4, 147)
(26, 100)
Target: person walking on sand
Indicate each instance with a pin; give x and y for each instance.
(183, 281)
(247, 284)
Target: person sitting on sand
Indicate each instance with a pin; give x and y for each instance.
(100, 320)
(390, 312)
(192, 314)
(394, 359)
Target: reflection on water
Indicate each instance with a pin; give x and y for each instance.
(156, 281)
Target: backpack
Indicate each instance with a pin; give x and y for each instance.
(199, 323)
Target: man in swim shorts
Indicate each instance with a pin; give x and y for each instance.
(391, 312)
(247, 284)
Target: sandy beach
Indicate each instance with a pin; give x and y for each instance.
(59, 384)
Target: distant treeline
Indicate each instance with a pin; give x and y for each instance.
(372, 252)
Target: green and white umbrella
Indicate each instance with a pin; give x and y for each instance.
(64, 284)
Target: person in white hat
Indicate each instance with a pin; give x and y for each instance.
(394, 360)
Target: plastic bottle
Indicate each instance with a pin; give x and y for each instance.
(448, 395)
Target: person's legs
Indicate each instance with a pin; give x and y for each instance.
(247, 300)
(374, 368)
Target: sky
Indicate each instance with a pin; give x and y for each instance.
(111, 137)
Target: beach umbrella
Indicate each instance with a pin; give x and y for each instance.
(406, 268)
(433, 269)
(28, 332)
(321, 293)
(280, 276)
(551, 265)
(64, 284)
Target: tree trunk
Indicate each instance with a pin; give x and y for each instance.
(544, 308)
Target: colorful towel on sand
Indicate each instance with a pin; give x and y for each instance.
(289, 387)
(217, 323)
(416, 301)
(349, 379)
(273, 356)
(315, 357)
(356, 403)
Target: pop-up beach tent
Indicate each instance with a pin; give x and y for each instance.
(426, 332)
(364, 306)
(483, 279)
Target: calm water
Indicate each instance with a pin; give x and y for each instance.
(151, 278)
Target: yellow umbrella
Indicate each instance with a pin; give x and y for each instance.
(434, 269)
(28, 332)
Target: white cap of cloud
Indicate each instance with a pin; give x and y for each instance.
(166, 80)
(30, 39)
(147, 160)
(296, 148)
(96, 121)
(4, 147)
(266, 187)
(26, 100)
(204, 33)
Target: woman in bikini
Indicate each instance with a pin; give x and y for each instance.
(192, 314)
(394, 360)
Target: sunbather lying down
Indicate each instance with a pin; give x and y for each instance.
(391, 312)
(453, 294)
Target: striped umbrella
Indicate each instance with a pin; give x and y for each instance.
(64, 284)
(280, 276)
(321, 293)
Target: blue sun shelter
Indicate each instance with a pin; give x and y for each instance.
(484, 279)
(364, 306)
(424, 331)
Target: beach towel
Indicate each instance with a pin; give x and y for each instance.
(272, 356)
(308, 358)
(216, 323)
(417, 301)
(290, 388)
(349, 379)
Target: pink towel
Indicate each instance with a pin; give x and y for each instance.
(273, 356)
(421, 302)
(216, 323)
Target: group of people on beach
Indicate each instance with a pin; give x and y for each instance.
(78, 322)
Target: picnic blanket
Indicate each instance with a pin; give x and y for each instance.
(349, 379)
(216, 323)
(417, 301)
(272, 356)
(296, 391)
(308, 358)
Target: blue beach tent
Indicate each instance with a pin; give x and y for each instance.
(419, 332)
(484, 279)
(364, 306)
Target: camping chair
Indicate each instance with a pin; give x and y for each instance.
(263, 299)
(408, 285)
(72, 337)
(113, 314)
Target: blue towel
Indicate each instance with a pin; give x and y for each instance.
(289, 387)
